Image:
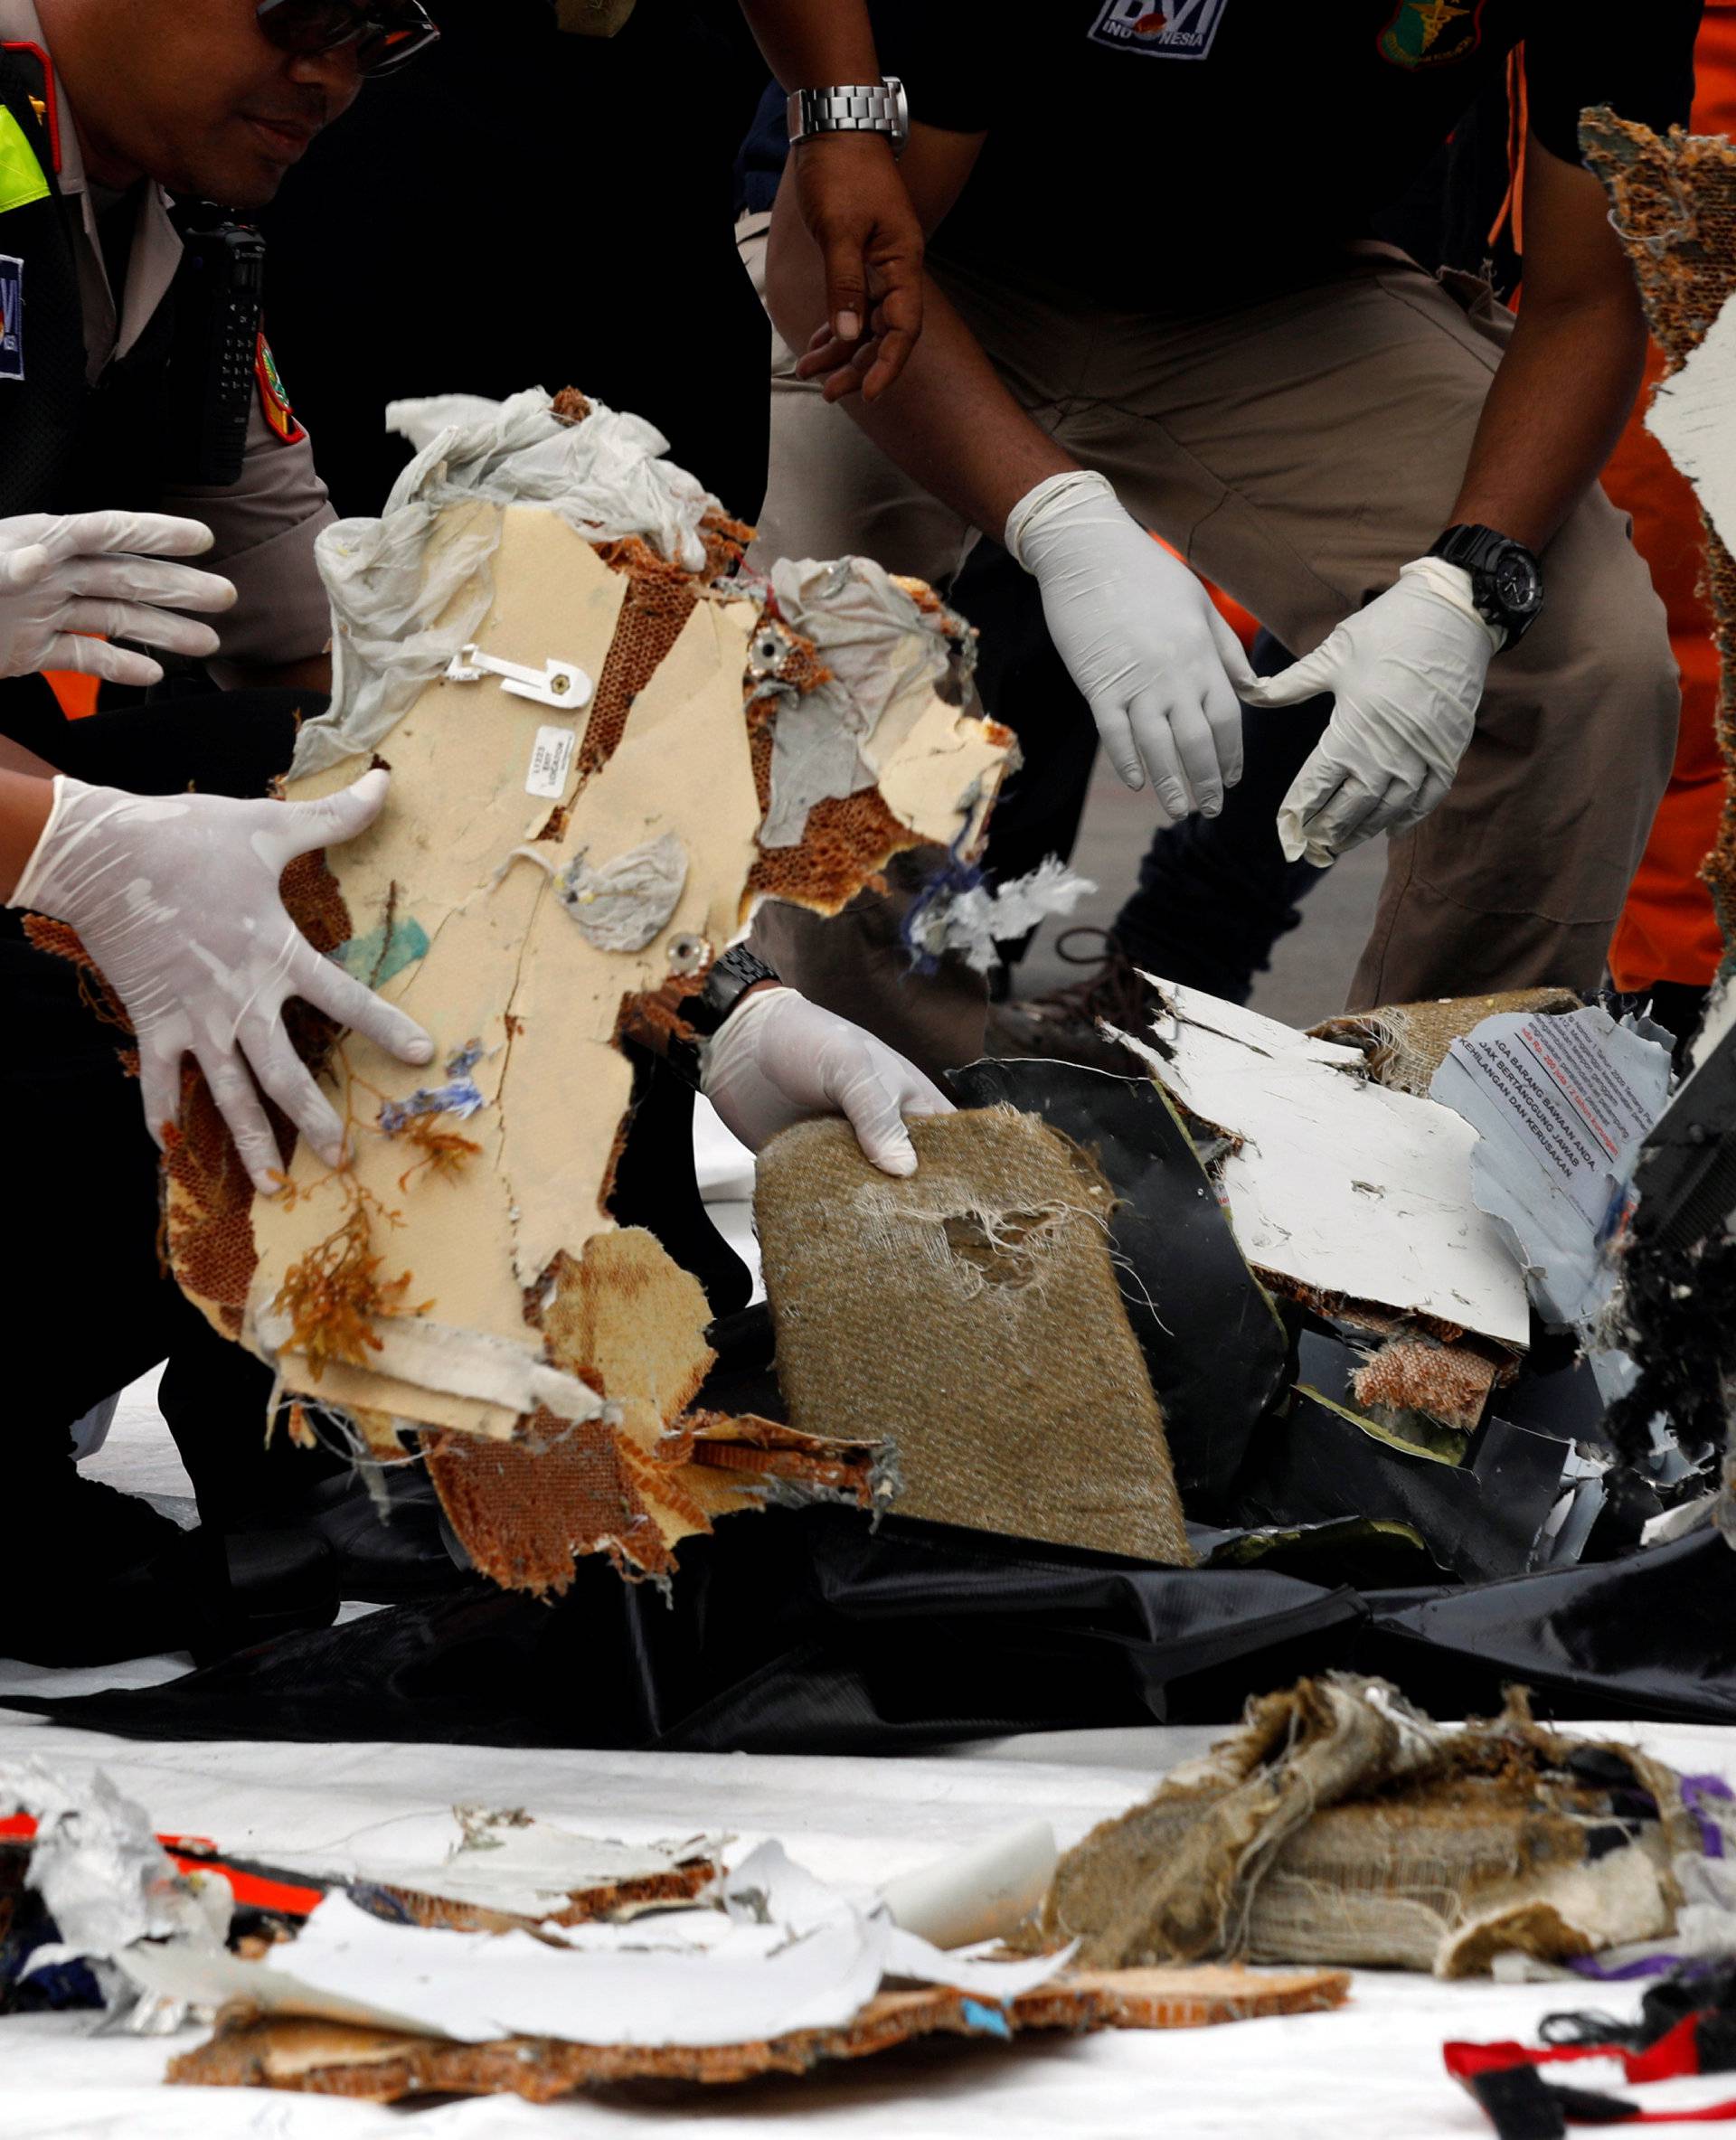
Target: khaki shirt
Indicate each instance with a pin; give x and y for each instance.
(265, 523)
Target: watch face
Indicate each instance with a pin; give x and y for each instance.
(1518, 584)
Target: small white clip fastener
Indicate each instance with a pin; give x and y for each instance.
(555, 683)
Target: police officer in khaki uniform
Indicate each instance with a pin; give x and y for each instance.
(157, 497)
(1156, 302)
(161, 393)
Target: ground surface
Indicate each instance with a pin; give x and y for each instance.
(1313, 965)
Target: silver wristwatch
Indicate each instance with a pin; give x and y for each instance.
(854, 107)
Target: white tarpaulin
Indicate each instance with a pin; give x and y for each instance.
(1370, 2070)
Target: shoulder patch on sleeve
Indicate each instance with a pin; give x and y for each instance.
(273, 400)
(22, 177)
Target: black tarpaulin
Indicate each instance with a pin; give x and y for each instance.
(808, 1630)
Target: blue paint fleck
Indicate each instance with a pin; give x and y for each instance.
(376, 959)
(988, 2021)
(460, 1098)
(955, 877)
(466, 1058)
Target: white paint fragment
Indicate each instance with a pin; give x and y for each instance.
(503, 1862)
(103, 1876)
(975, 922)
(1336, 1182)
(777, 1951)
(1715, 1022)
(1693, 417)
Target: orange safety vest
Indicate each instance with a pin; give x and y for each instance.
(1667, 931)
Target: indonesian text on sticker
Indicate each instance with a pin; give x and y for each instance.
(1581, 1116)
(550, 759)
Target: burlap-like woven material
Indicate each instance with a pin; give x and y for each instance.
(1674, 208)
(1406, 1043)
(970, 1314)
(1340, 1823)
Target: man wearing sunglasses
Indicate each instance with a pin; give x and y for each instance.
(109, 110)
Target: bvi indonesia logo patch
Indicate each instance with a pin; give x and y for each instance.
(12, 316)
(1161, 29)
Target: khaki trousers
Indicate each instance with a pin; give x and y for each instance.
(1297, 451)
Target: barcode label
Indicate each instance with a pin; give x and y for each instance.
(551, 761)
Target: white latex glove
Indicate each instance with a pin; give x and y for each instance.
(64, 575)
(1159, 667)
(1407, 673)
(176, 898)
(779, 1058)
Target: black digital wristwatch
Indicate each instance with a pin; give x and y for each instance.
(1506, 580)
(730, 979)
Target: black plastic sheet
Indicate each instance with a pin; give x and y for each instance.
(810, 1632)
(1478, 1520)
(1650, 1636)
(799, 1630)
(1678, 1301)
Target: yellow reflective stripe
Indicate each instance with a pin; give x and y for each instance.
(21, 176)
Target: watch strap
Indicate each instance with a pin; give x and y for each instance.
(1467, 545)
(1477, 550)
(730, 979)
(850, 108)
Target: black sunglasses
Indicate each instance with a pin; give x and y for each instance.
(385, 34)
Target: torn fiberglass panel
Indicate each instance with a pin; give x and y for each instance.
(432, 1281)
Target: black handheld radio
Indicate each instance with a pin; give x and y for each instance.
(219, 291)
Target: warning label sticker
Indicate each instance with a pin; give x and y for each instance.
(1581, 1115)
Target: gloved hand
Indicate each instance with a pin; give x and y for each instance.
(65, 575)
(1159, 667)
(1407, 673)
(176, 898)
(778, 1059)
